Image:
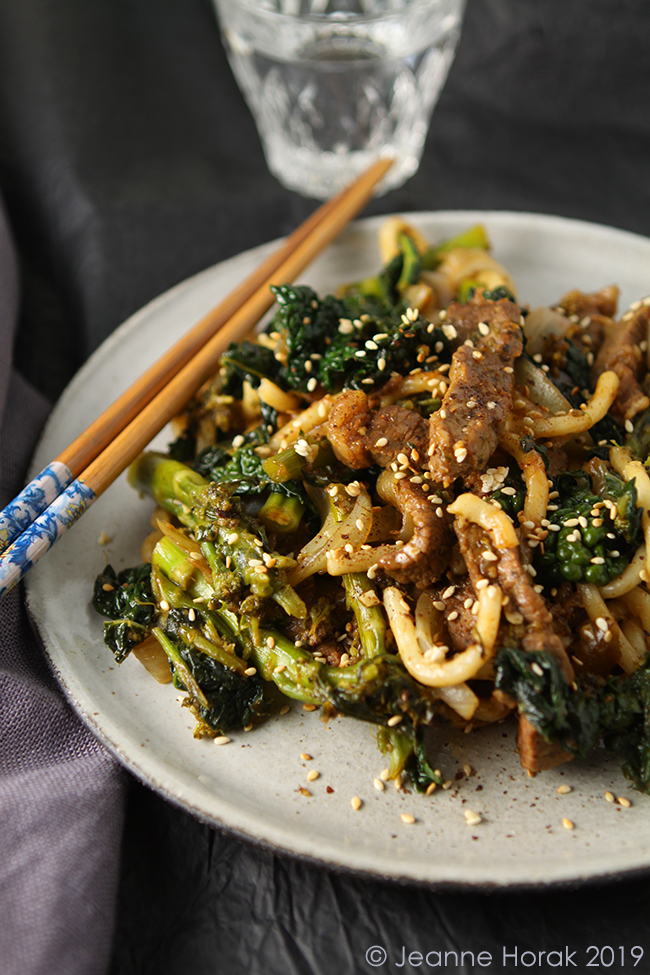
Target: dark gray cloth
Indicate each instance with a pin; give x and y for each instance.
(60, 792)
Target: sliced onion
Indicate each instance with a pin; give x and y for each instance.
(429, 624)
(313, 556)
(539, 324)
(541, 390)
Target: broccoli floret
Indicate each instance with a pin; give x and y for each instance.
(597, 534)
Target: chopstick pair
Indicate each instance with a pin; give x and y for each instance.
(59, 495)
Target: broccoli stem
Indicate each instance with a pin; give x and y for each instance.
(280, 513)
(180, 667)
(371, 622)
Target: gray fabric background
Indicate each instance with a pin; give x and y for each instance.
(61, 795)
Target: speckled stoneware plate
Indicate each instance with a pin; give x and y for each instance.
(252, 785)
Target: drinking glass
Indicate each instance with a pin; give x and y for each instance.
(334, 84)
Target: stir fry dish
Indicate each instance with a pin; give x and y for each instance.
(414, 502)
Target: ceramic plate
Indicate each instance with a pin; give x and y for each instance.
(251, 786)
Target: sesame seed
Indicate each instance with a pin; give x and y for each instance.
(400, 475)
(509, 491)
(536, 669)
(103, 539)
(610, 797)
(308, 366)
(232, 538)
(382, 442)
(473, 818)
(221, 740)
(238, 441)
(563, 790)
(439, 605)
(368, 381)
(407, 818)
(384, 775)
(108, 588)
(395, 720)
(477, 355)
(345, 326)
(484, 328)
(508, 369)
(447, 785)
(360, 354)
(309, 707)
(601, 623)
(379, 785)
(430, 788)
(312, 384)
(313, 775)
(598, 560)
(381, 364)
(164, 605)
(356, 803)
(624, 802)
(452, 616)
(372, 346)
(285, 709)
(567, 824)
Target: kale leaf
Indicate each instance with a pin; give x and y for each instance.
(127, 600)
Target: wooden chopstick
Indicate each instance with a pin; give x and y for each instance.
(159, 401)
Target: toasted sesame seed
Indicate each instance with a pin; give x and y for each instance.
(624, 802)
(473, 818)
(610, 797)
(250, 671)
(379, 785)
(567, 824)
(232, 538)
(395, 720)
(103, 539)
(285, 709)
(447, 785)
(164, 605)
(221, 740)
(407, 818)
(313, 775)
(309, 707)
(356, 803)
(108, 588)
(430, 788)
(629, 426)
(536, 669)
(384, 775)
(563, 790)
(601, 623)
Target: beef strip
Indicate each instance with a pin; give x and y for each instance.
(603, 302)
(621, 353)
(465, 431)
(426, 555)
(354, 432)
(535, 754)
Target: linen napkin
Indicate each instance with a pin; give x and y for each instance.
(61, 793)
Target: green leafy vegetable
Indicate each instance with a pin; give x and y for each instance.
(126, 599)
(617, 713)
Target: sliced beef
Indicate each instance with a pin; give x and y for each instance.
(357, 434)
(426, 555)
(622, 354)
(603, 302)
(535, 753)
(465, 431)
